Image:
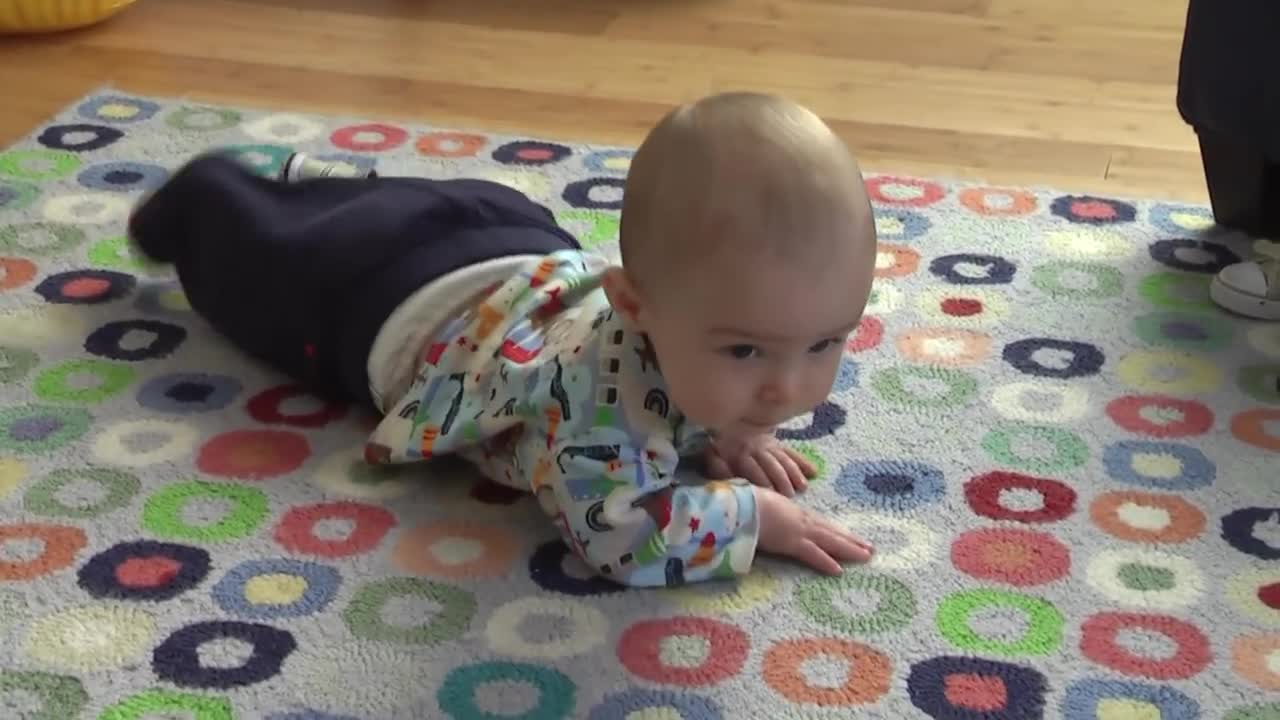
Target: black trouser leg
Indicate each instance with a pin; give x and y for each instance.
(1244, 185)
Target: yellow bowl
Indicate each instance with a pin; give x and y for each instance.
(35, 16)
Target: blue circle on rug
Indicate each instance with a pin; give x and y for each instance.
(899, 225)
(123, 176)
(1083, 699)
(85, 287)
(546, 568)
(186, 393)
(952, 687)
(319, 586)
(557, 694)
(1082, 359)
(623, 704)
(1160, 465)
(107, 340)
(79, 137)
(891, 485)
(118, 109)
(608, 161)
(578, 193)
(531, 153)
(144, 570)
(17, 194)
(994, 270)
(1241, 529)
(177, 659)
(846, 376)
(1165, 217)
(1091, 210)
(826, 419)
(1167, 252)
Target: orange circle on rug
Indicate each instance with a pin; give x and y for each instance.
(1147, 517)
(450, 144)
(641, 650)
(942, 346)
(866, 681)
(253, 454)
(1017, 557)
(15, 272)
(894, 261)
(60, 545)
(1250, 427)
(1018, 202)
(1252, 659)
(456, 549)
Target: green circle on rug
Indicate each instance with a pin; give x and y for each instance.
(1042, 636)
(61, 696)
(364, 615)
(891, 384)
(15, 363)
(895, 603)
(1069, 450)
(1268, 711)
(265, 160)
(1106, 281)
(113, 252)
(556, 692)
(118, 488)
(64, 238)
(163, 513)
(38, 165)
(16, 194)
(815, 457)
(31, 429)
(191, 119)
(54, 384)
(1191, 331)
(157, 701)
(600, 226)
(1177, 291)
(1260, 382)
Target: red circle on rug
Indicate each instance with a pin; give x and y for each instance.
(640, 650)
(1100, 643)
(978, 200)
(15, 272)
(296, 531)
(869, 333)
(59, 545)
(866, 681)
(147, 572)
(984, 492)
(265, 408)
(389, 136)
(1017, 557)
(961, 307)
(253, 454)
(1251, 427)
(1093, 210)
(925, 192)
(1194, 418)
(450, 144)
(1185, 520)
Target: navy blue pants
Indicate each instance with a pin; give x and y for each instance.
(302, 276)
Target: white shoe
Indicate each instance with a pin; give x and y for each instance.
(1251, 288)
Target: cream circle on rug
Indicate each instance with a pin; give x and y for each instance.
(587, 628)
(112, 445)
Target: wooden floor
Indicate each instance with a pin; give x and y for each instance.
(1078, 94)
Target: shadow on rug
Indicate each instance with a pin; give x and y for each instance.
(1067, 455)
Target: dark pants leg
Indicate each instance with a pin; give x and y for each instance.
(1244, 185)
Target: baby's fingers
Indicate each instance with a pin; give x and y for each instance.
(805, 464)
(841, 544)
(811, 554)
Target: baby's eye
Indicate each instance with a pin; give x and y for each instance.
(822, 346)
(742, 352)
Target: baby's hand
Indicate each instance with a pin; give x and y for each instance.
(801, 534)
(764, 461)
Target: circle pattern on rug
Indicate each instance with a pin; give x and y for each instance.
(992, 495)
(177, 660)
(46, 497)
(1253, 657)
(188, 393)
(600, 193)
(165, 513)
(63, 383)
(724, 648)
(891, 485)
(1093, 698)
(299, 529)
(1260, 382)
(79, 137)
(1259, 428)
(1100, 643)
(1043, 622)
(1187, 331)
(267, 407)
(1160, 416)
(38, 165)
(133, 443)
(531, 152)
(912, 543)
(202, 119)
(632, 702)
(998, 202)
(40, 239)
(1169, 373)
(123, 176)
(38, 429)
(895, 261)
(505, 631)
(60, 696)
(457, 694)
(144, 570)
(1255, 594)
(1040, 402)
(253, 454)
(868, 675)
(1074, 280)
(121, 634)
(85, 287)
(1021, 558)
(951, 686)
(944, 346)
(1036, 448)
(1056, 359)
(1177, 291)
(963, 306)
(273, 588)
(901, 386)
(1200, 256)
(1091, 210)
(1088, 243)
(973, 269)
(1254, 531)
(118, 340)
(15, 272)
(1145, 578)
(15, 364)
(895, 603)
(1159, 465)
(450, 144)
(1142, 517)
(118, 109)
(369, 137)
(458, 549)
(157, 701)
(16, 194)
(364, 614)
(59, 545)
(910, 192)
(1176, 218)
(899, 225)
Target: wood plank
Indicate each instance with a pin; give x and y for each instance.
(1168, 16)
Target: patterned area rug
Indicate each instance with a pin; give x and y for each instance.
(1068, 457)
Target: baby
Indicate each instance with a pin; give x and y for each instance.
(477, 326)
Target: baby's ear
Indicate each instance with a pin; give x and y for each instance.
(622, 294)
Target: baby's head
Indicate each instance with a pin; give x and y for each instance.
(748, 248)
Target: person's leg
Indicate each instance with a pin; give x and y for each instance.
(1243, 184)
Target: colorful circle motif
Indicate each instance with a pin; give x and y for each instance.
(1099, 642)
(1008, 444)
(1040, 402)
(16, 195)
(1160, 416)
(1021, 558)
(1260, 382)
(143, 570)
(910, 192)
(347, 473)
(109, 340)
(12, 474)
(899, 225)
(727, 646)
(121, 635)
(1088, 243)
(1159, 465)
(1042, 636)
(895, 261)
(998, 202)
(847, 375)
(60, 696)
(580, 193)
(884, 299)
(187, 393)
(164, 513)
(15, 272)
(1061, 279)
(297, 531)
(1251, 426)
(1141, 517)
(898, 386)
(266, 407)
(1264, 338)
(38, 165)
(457, 694)
(363, 616)
(85, 287)
(1256, 658)
(867, 335)
(177, 659)
(1256, 595)
(1259, 711)
(114, 252)
(547, 569)
(963, 306)
(1094, 698)
(725, 598)
(1177, 291)
(1176, 219)
(891, 485)
(40, 239)
(369, 137)
(79, 137)
(531, 153)
(119, 443)
(123, 176)
(37, 429)
(618, 161)
(92, 208)
(591, 227)
(459, 549)
(943, 346)
(1146, 578)
(633, 702)
(450, 144)
(1169, 373)
(895, 606)
(914, 544)
(157, 701)
(253, 454)
(202, 119)
(15, 363)
(286, 128)
(825, 420)
(264, 159)
(116, 490)
(59, 546)
(867, 679)
(1254, 531)
(1209, 257)
(953, 687)
(118, 109)
(61, 382)
(588, 628)
(1052, 358)
(971, 269)
(275, 588)
(986, 495)
(1090, 210)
